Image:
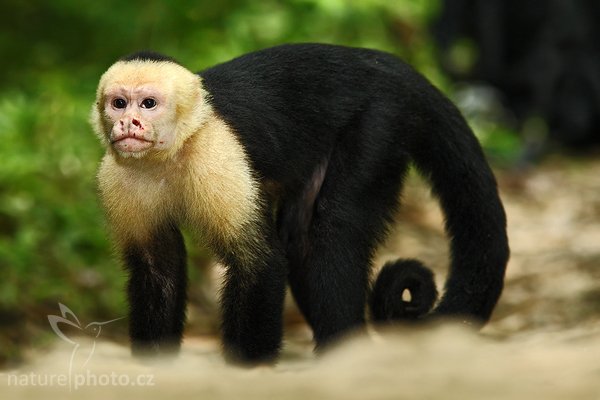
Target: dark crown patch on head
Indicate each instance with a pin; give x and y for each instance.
(146, 55)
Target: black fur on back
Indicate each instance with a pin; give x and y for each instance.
(361, 115)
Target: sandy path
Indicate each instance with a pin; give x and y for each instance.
(543, 342)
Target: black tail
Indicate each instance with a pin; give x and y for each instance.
(444, 150)
(387, 303)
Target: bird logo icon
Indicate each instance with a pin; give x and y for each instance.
(69, 319)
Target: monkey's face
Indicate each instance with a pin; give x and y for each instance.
(139, 118)
(147, 109)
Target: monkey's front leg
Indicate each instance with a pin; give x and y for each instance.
(252, 307)
(157, 292)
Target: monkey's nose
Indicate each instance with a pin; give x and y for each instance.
(136, 122)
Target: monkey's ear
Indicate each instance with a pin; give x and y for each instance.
(98, 125)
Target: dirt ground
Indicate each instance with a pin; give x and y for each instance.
(543, 341)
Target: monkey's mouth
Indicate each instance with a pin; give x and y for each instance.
(132, 144)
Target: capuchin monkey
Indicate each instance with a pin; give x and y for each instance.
(288, 163)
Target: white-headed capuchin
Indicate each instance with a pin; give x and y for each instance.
(289, 162)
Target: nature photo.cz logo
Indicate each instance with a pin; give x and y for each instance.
(68, 327)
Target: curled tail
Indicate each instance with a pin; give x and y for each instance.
(387, 300)
(446, 152)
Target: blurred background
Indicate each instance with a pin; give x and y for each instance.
(525, 73)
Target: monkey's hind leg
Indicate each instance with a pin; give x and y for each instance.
(329, 272)
(157, 293)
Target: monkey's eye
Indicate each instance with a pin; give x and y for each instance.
(119, 103)
(149, 103)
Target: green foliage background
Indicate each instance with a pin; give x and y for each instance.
(53, 245)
